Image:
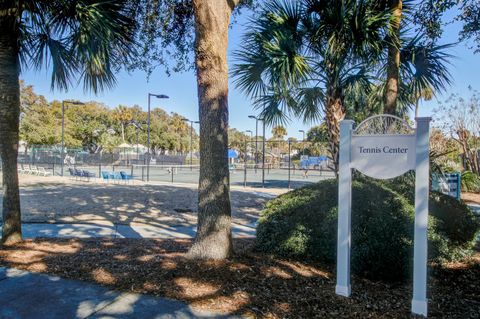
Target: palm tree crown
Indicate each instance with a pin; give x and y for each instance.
(83, 39)
(327, 58)
(303, 58)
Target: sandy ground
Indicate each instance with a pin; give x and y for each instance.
(57, 199)
(472, 198)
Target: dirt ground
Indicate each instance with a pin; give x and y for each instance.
(55, 199)
(250, 283)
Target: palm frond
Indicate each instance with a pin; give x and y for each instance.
(425, 65)
(84, 40)
(272, 56)
(274, 108)
(310, 104)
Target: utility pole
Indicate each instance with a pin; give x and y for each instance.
(158, 96)
(64, 103)
(256, 139)
(191, 140)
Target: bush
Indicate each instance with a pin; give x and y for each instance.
(303, 224)
(470, 182)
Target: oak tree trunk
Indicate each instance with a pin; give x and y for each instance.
(393, 62)
(9, 122)
(334, 114)
(214, 238)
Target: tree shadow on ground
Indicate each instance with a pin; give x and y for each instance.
(109, 204)
(250, 283)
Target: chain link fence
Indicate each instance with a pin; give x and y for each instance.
(271, 164)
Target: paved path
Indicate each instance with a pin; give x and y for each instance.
(34, 230)
(25, 295)
(475, 208)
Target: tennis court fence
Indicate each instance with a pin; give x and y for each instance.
(278, 164)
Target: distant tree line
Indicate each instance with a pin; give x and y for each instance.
(95, 127)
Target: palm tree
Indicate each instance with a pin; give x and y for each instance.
(423, 73)
(303, 58)
(76, 39)
(321, 55)
(393, 61)
(279, 132)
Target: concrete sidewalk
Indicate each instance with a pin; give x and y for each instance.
(25, 295)
(475, 208)
(46, 230)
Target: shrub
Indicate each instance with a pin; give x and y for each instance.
(303, 224)
(470, 182)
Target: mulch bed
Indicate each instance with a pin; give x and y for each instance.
(250, 283)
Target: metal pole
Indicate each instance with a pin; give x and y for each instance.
(289, 161)
(63, 136)
(137, 145)
(191, 145)
(263, 155)
(148, 141)
(303, 142)
(256, 144)
(245, 165)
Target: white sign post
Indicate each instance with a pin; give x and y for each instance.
(384, 147)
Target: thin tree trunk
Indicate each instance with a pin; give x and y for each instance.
(214, 238)
(9, 125)
(393, 63)
(333, 115)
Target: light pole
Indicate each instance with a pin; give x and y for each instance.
(158, 96)
(303, 141)
(256, 138)
(191, 140)
(65, 102)
(263, 153)
(245, 160)
(251, 137)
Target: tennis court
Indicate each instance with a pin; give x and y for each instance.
(239, 176)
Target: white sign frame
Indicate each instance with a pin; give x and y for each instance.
(418, 159)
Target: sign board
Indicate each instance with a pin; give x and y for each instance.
(448, 184)
(383, 156)
(384, 146)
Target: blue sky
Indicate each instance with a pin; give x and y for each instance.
(132, 88)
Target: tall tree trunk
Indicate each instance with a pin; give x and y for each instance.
(9, 122)
(214, 238)
(393, 63)
(334, 113)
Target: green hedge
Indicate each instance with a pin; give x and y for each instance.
(303, 224)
